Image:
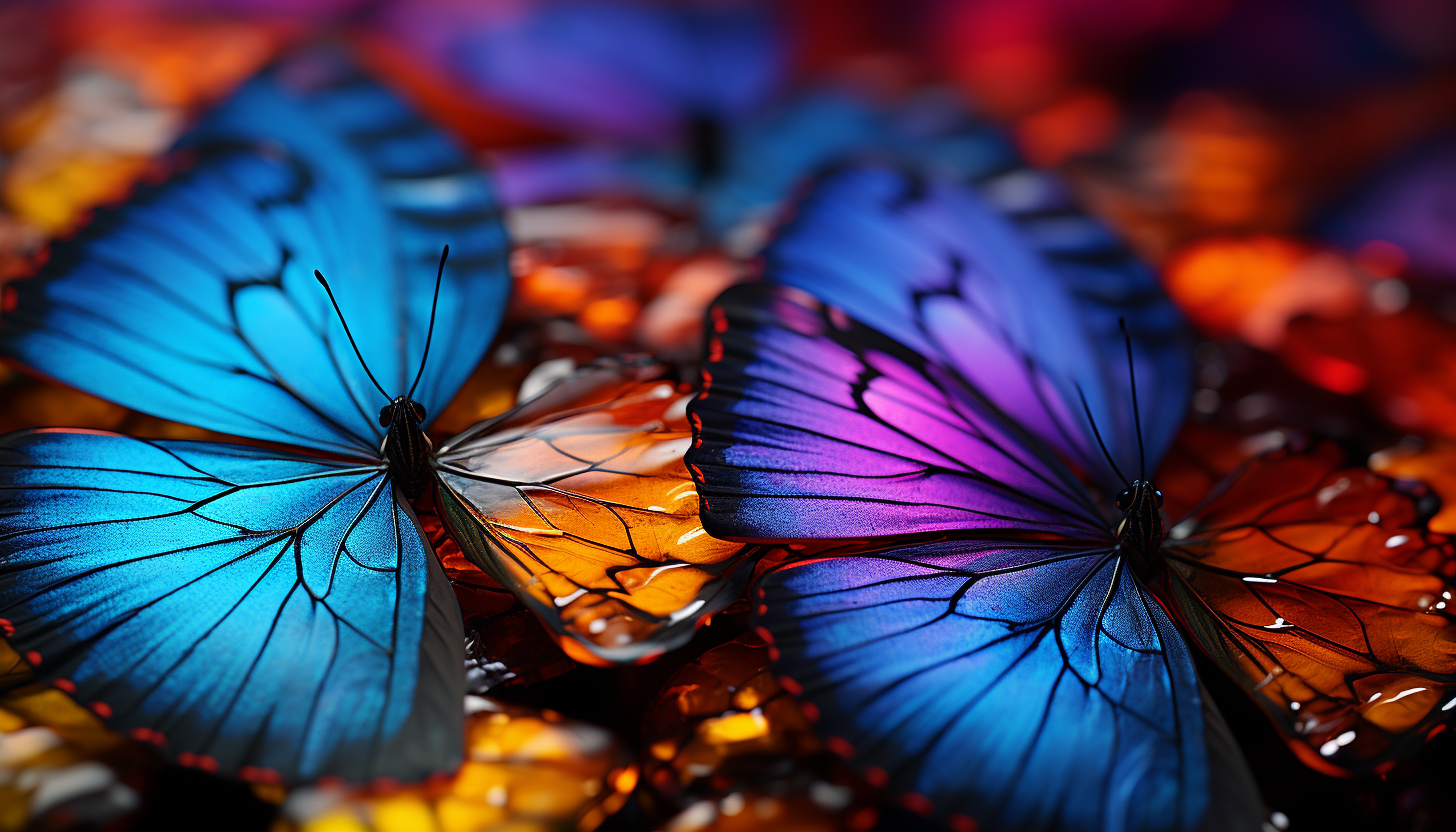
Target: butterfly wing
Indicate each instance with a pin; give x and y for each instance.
(261, 615)
(580, 503)
(634, 71)
(1314, 585)
(196, 300)
(1019, 685)
(1011, 287)
(811, 425)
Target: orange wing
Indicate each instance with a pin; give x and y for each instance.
(1319, 588)
(579, 502)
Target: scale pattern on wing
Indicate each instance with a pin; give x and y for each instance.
(580, 503)
(261, 615)
(1029, 685)
(1316, 587)
(196, 301)
(1007, 282)
(811, 425)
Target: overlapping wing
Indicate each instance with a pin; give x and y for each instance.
(811, 425)
(272, 617)
(1012, 685)
(196, 301)
(1316, 587)
(1011, 287)
(580, 503)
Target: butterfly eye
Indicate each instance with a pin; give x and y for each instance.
(1124, 500)
(384, 417)
(419, 411)
(1158, 497)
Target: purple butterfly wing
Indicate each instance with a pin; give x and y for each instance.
(628, 71)
(1008, 284)
(813, 426)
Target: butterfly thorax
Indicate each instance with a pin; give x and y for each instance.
(405, 445)
(1140, 533)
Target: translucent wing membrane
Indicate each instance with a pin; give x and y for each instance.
(196, 301)
(1313, 584)
(267, 616)
(1013, 288)
(1020, 685)
(580, 503)
(813, 426)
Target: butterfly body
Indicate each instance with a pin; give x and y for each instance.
(1141, 531)
(406, 446)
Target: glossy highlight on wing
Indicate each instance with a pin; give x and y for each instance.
(1315, 585)
(579, 502)
(195, 300)
(1004, 280)
(1021, 685)
(277, 618)
(813, 426)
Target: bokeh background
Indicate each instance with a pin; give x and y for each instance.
(1288, 166)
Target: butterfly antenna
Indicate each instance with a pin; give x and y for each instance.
(431, 333)
(1136, 419)
(359, 355)
(1096, 433)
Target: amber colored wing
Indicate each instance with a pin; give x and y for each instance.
(1319, 589)
(579, 502)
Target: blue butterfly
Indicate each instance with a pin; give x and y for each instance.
(923, 371)
(688, 105)
(256, 611)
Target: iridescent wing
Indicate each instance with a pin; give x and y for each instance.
(811, 425)
(579, 502)
(1012, 288)
(196, 300)
(1008, 685)
(271, 617)
(1316, 586)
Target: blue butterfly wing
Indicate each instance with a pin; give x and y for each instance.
(1010, 286)
(196, 300)
(1025, 686)
(239, 607)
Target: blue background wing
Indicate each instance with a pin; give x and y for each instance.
(195, 301)
(1026, 686)
(262, 610)
(1009, 284)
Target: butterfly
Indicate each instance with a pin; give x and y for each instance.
(953, 392)
(688, 106)
(272, 610)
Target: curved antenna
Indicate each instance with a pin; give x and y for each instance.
(1100, 443)
(357, 354)
(431, 333)
(1136, 420)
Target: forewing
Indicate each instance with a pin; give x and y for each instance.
(195, 300)
(1020, 685)
(1314, 585)
(261, 615)
(580, 503)
(1007, 283)
(811, 425)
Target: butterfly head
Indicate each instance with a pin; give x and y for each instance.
(406, 447)
(1141, 529)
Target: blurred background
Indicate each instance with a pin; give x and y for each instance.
(1288, 167)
